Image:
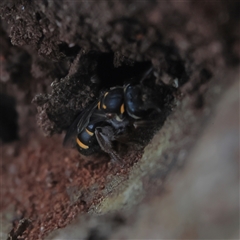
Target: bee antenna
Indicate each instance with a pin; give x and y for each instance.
(146, 74)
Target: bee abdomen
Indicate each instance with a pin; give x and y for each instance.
(86, 138)
(81, 144)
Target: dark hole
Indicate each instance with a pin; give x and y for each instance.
(8, 119)
(68, 51)
(110, 75)
(38, 16)
(176, 69)
(20, 67)
(158, 95)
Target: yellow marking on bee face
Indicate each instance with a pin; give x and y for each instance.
(99, 105)
(103, 105)
(122, 109)
(80, 144)
(88, 132)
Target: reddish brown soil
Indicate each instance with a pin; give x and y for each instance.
(63, 42)
(50, 185)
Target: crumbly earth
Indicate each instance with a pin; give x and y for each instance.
(57, 56)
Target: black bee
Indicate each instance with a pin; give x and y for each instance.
(108, 118)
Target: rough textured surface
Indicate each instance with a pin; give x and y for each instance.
(60, 55)
(199, 200)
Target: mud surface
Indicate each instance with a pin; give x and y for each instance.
(57, 56)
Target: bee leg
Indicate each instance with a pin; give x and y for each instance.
(146, 74)
(105, 136)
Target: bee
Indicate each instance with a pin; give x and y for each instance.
(108, 118)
